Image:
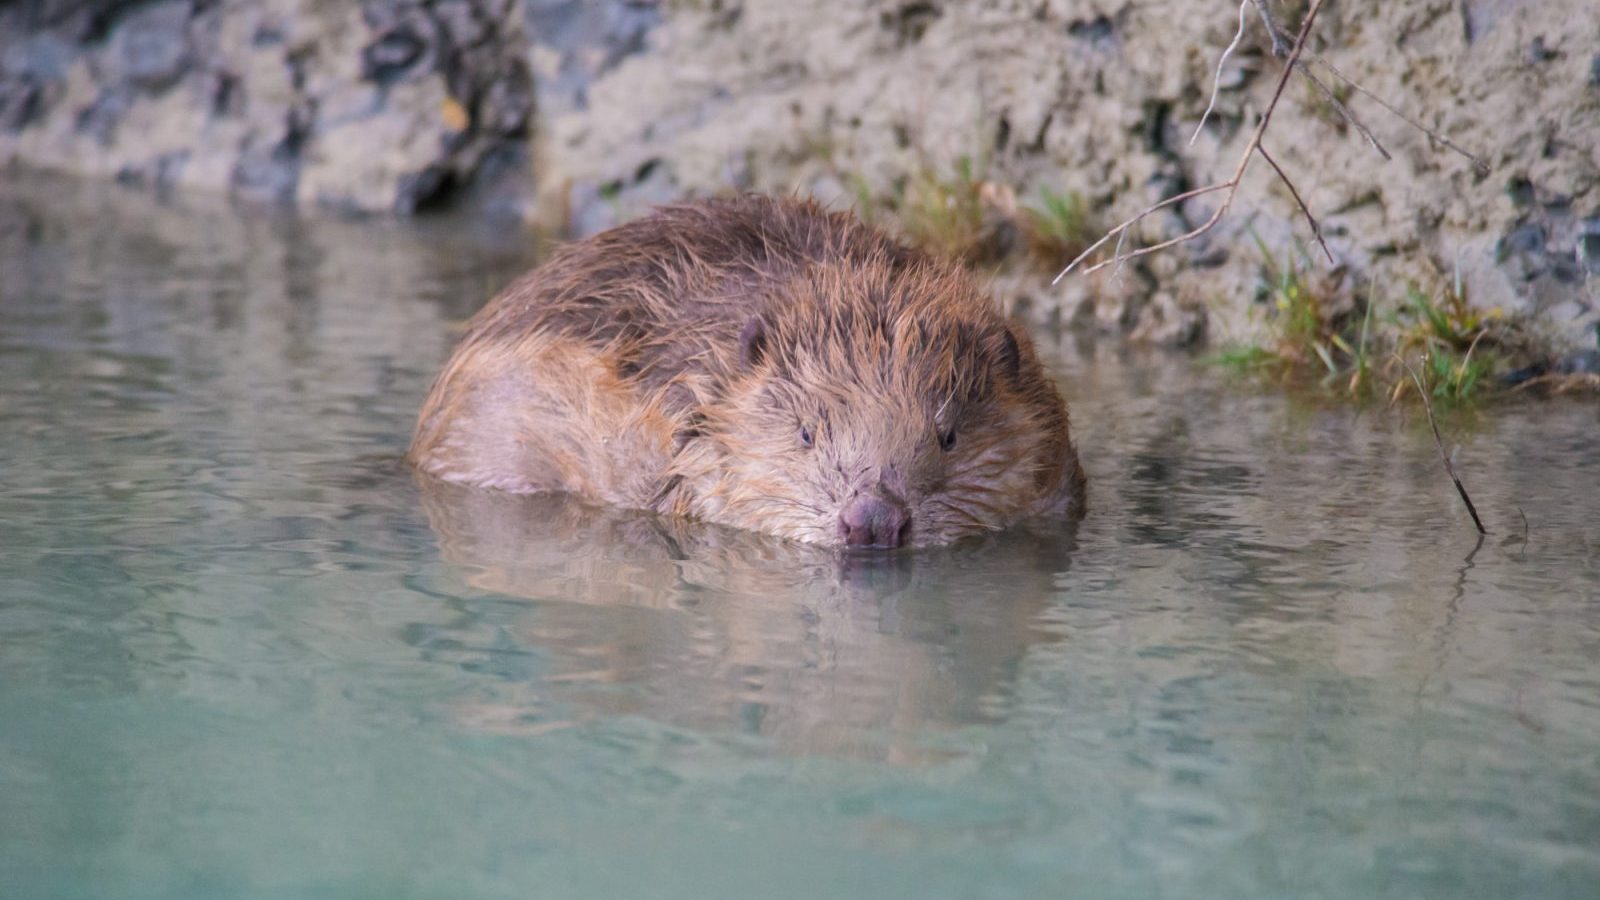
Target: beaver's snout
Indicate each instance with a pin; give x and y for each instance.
(873, 521)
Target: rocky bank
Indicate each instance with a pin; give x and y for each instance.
(584, 113)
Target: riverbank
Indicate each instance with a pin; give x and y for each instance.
(1008, 133)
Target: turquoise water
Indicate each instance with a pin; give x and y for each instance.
(244, 654)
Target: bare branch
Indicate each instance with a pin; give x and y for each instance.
(1210, 223)
(1231, 186)
(1439, 443)
(1116, 253)
(1316, 229)
(1216, 81)
(1278, 49)
(1123, 228)
(1478, 164)
(1280, 46)
(1343, 110)
(1295, 60)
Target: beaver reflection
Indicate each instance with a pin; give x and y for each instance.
(727, 630)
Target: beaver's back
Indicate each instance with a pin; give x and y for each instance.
(654, 293)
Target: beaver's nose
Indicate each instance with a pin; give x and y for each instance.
(873, 521)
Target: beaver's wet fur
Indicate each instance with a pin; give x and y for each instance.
(760, 363)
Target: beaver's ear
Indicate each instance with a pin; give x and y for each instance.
(752, 342)
(691, 428)
(1008, 353)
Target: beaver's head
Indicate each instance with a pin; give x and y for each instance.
(880, 406)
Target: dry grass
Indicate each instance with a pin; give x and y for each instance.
(1319, 332)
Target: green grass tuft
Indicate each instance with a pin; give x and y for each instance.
(1057, 229)
(1316, 335)
(944, 212)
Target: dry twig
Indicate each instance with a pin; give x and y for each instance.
(1478, 164)
(1343, 110)
(1439, 443)
(1316, 229)
(1294, 56)
(1216, 81)
(1231, 185)
(1280, 49)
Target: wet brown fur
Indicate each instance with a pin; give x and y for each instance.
(671, 363)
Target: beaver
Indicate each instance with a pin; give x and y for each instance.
(761, 363)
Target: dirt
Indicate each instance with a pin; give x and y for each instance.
(584, 113)
(1100, 98)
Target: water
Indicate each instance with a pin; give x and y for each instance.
(243, 654)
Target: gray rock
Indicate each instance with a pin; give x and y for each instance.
(389, 106)
(463, 22)
(98, 121)
(43, 57)
(1582, 362)
(1588, 246)
(161, 173)
(148, 45)
(19, 102)
(585, 39)
(399, 48)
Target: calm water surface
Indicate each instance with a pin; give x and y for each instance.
(244, 654)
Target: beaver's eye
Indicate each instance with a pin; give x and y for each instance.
(947, 440)
(806, 437)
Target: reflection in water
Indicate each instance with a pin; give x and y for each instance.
(243, 652)
(818, 651)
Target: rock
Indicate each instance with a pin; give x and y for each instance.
(1588, 246)
(507, 105)
(1539, 52)
(1582, 362)
(43, 57)
(393, 52)
(388, 106)
(161, 173)
(1098, 30)
(266, 172)
(99, 120)
(463, 23)
(1523, 248)
(577, 41)
(148, 45)
(19, 102)
(1167, 322)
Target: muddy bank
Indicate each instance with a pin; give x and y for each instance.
(585, 113)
